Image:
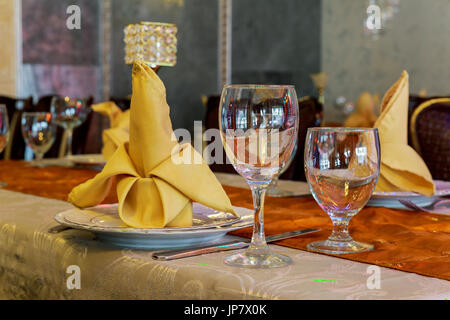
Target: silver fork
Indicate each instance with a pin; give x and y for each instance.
(440, 205)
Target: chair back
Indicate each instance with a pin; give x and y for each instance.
(123, 103)
(87, 137)
(430, 135)
(414, 102)
(15, 149)
(212, 122)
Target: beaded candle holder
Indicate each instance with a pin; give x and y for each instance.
(152, 42)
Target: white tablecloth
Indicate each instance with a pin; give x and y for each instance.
(33, 264)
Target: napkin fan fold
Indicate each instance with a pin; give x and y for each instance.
(402, 168)
(155, 187)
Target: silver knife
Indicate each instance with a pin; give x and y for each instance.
(217, 247)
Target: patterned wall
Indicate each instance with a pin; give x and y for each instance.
(56, 59)
(418, 42)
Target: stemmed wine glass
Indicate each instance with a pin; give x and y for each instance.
(342, 166)
(38, 131)
(69, 113)
(4, 132)
(258, 126)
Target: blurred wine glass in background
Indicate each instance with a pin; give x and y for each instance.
(69, 113)
(38, 132)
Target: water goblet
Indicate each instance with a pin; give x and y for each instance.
(38, 131)
(69, 113)
(258, 126)
(342, 166)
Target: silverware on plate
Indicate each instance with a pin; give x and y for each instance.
(438, 205)
(218, 247)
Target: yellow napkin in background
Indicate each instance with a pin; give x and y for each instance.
(153, 190)
(120, 127)
(402, 169)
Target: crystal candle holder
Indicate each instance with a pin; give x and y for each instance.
(152, 42)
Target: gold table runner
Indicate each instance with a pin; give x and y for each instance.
(404, 240)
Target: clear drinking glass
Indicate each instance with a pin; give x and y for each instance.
(342, 166)
(38, 131)
(274, 189)
(69, 113)
(4, 132)
(258, 126)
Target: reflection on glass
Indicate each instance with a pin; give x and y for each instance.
(274, 188)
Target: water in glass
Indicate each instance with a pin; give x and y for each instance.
(342, 166)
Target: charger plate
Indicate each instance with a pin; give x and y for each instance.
(208, 225)
(390, 199)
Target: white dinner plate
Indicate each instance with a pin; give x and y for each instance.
(390, 199)
(88, 159)
(208, 225)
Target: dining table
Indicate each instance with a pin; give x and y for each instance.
(411, 258)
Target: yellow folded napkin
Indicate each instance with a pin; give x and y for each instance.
(120, 127)
(402, 169)
(154, 189)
